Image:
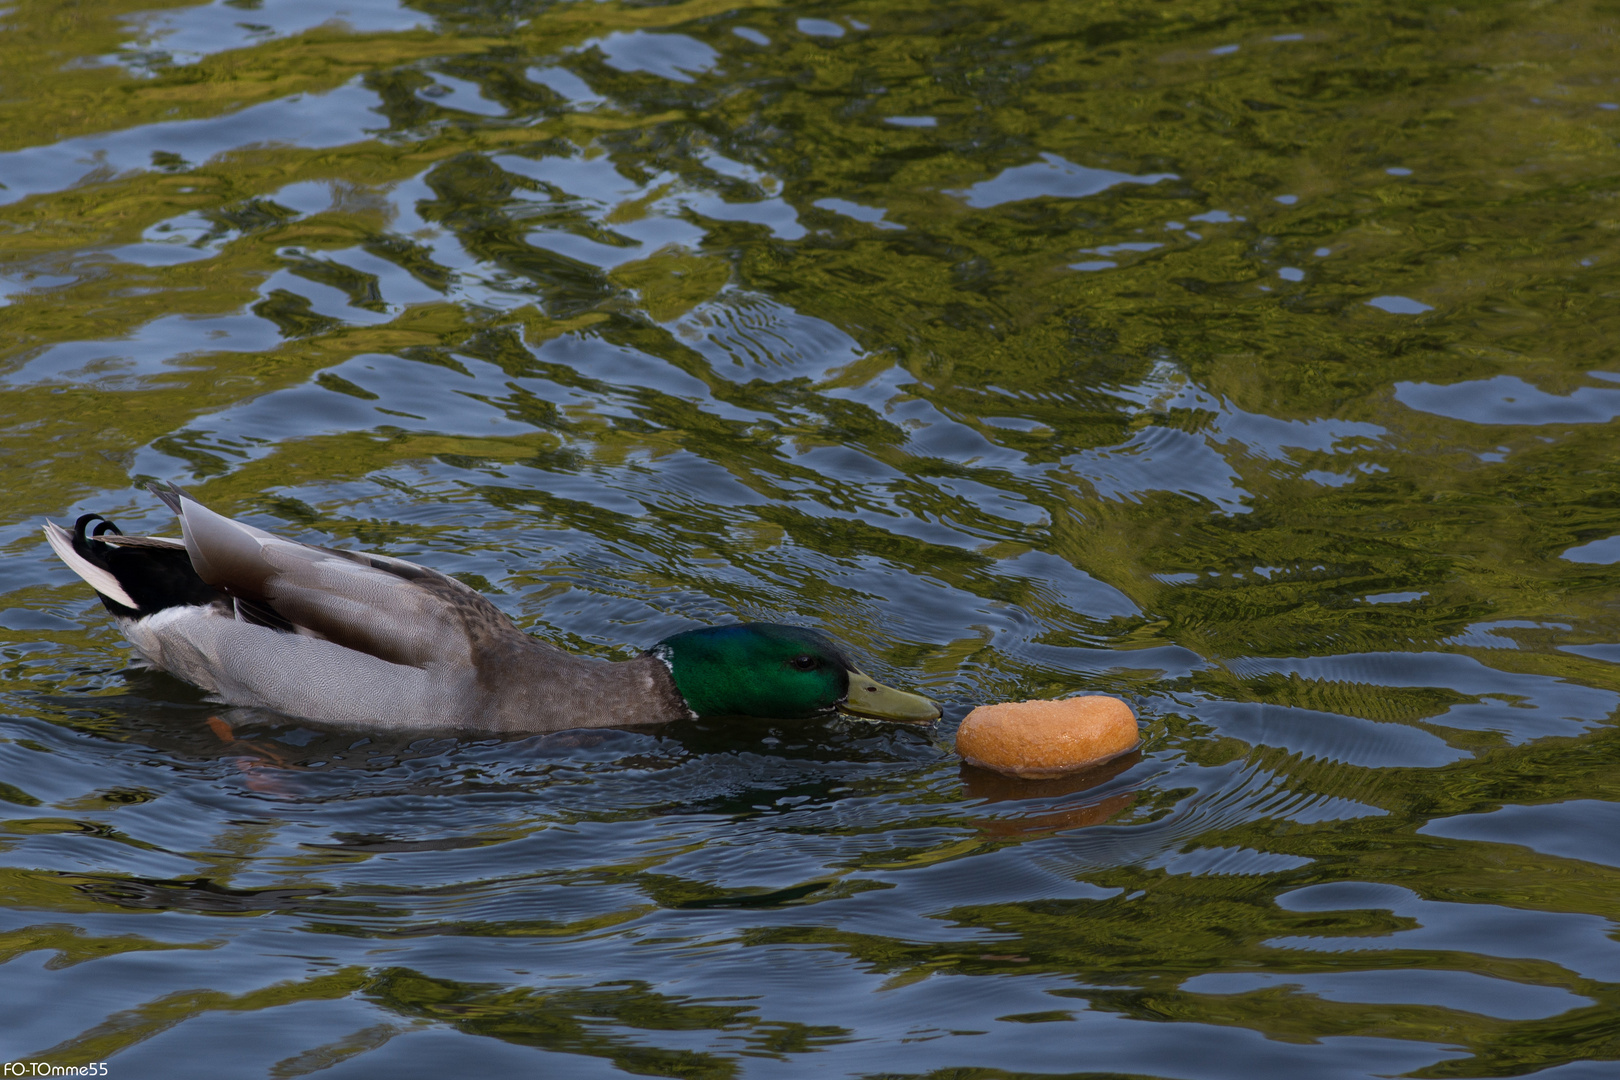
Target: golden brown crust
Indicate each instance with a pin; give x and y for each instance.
(1047, 738)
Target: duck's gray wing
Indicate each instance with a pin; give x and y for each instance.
(387, 608)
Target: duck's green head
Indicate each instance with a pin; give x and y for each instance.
(780, 673)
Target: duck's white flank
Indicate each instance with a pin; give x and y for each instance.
(242, 664)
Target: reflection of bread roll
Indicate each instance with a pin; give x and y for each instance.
(1047, 738)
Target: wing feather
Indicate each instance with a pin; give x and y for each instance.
(388, 608)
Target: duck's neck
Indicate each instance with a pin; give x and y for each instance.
(649, 690)
(563, 691)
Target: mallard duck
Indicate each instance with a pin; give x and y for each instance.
(349, 638)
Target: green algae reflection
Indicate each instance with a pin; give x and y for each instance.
(1254, 361)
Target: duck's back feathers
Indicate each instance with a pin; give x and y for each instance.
(388, 608)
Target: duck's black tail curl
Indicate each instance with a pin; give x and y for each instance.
(135, 576)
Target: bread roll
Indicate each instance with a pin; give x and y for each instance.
(1047, 738)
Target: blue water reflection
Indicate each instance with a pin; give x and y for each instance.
(1053, 177)
(188, 34)
(1027, 351)
(311, 121)
(1508, 399)
(1579, 943)
(1579, 829)
(1459, 990)
(670, 56)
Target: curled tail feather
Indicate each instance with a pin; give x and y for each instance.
(135, 576)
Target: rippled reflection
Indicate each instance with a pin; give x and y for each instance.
(1252, 363)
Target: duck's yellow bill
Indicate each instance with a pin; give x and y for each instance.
(871, 699)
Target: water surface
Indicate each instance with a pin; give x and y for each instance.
(1253, 362)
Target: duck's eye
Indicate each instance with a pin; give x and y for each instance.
(803, 663)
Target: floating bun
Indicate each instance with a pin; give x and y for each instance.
(1047, 738)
